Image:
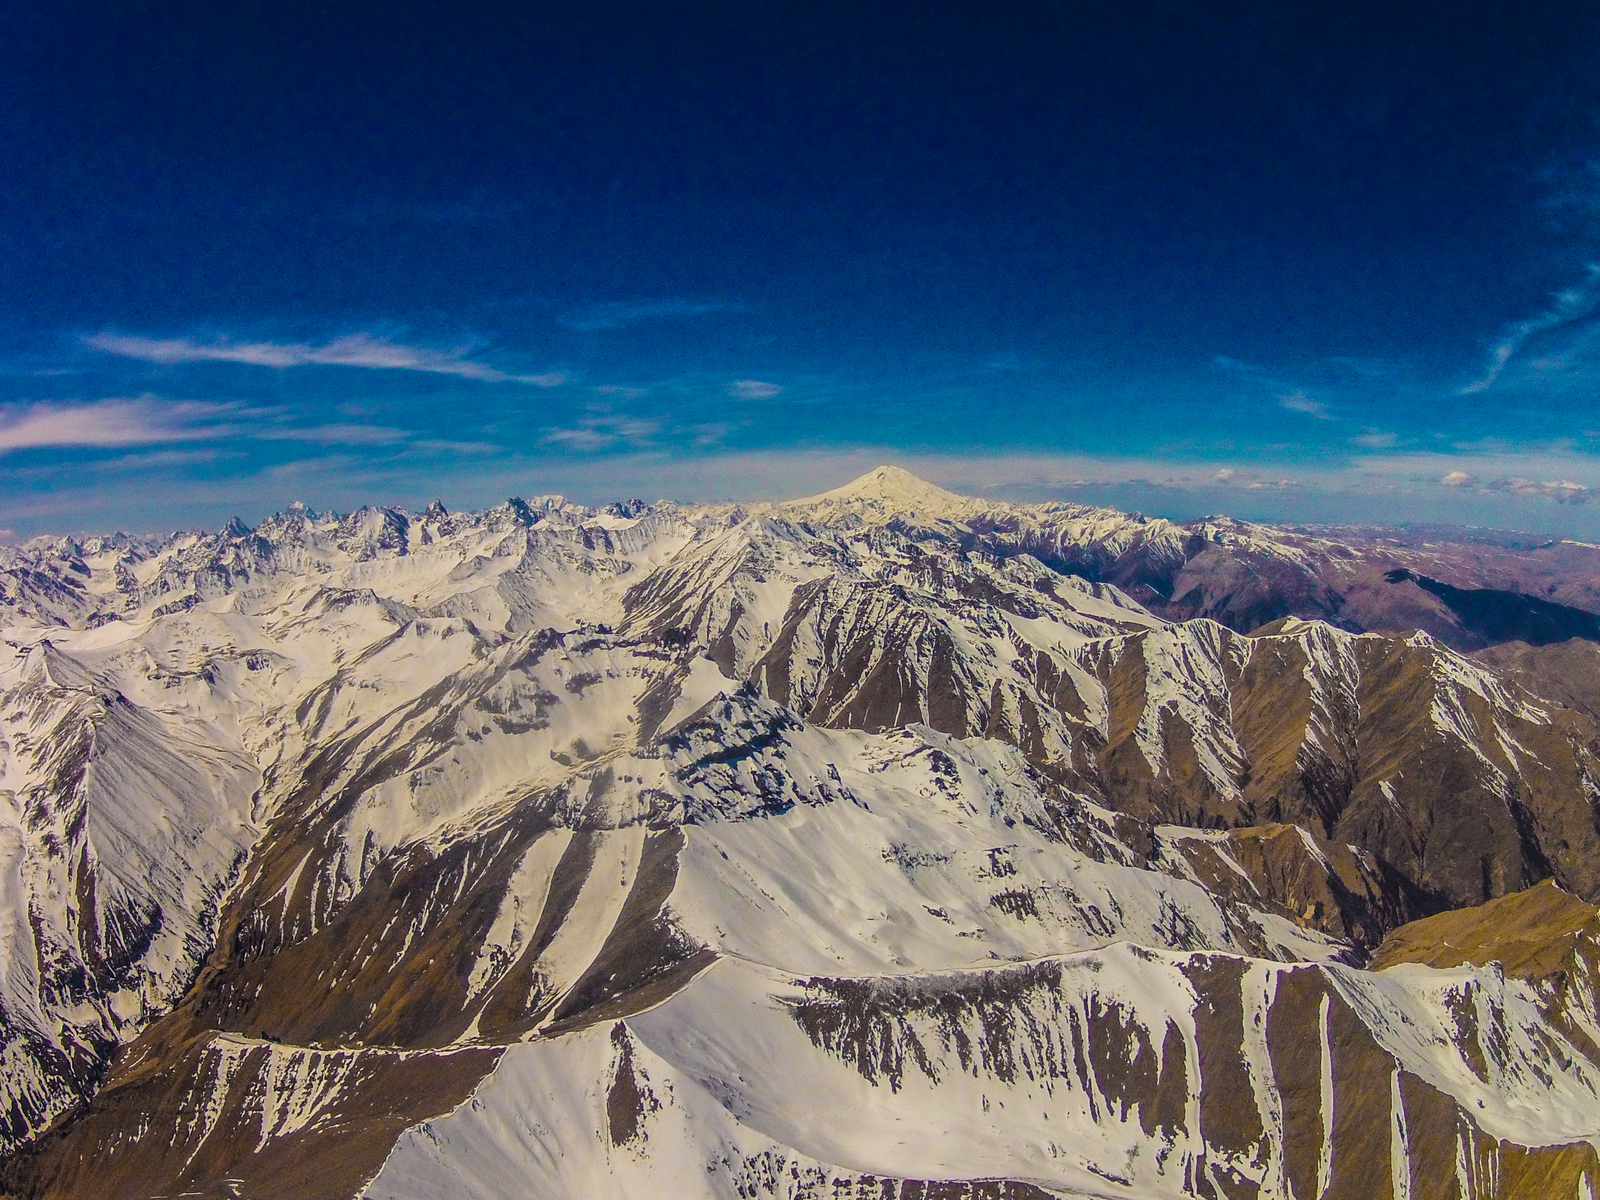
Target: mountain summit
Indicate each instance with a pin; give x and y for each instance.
(884, 494)
(890, 489)
(883, 843)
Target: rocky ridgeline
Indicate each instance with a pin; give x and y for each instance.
(886, 843)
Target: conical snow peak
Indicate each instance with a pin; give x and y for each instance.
(890, 487)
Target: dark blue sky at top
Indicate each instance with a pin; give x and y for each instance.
(1302, 261)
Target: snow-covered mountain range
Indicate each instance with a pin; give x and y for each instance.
(887, 843)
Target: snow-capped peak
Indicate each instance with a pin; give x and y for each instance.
(888, 491)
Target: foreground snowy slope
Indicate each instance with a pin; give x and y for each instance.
(839, 847)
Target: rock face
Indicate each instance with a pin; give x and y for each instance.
(878, 844)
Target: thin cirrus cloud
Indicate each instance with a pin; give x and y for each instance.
(1234, 366)
(753, 389)
(340, 433)
(118, 421)
(1574, 304)
(1376, 439)
(618, 314)
(149, 420)
(354, 350)
(1295, 399)
(603, 432)
(1298, 401)
(1366, 368)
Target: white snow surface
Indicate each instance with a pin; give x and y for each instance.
(659, 665)
(744, 1103)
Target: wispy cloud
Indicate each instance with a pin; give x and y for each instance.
(710, 434)
(603, 432)
(353, 350)
(1002, 364)
(1571, 305)
(1234, 366)
(1291, 396)
(346, 433)
(1375, 439)
(618, 314)
(150, 420)
(443, 446)
(1366, 368)
(118, 421)
(753, 389)
(1299, 401)
(161, 460)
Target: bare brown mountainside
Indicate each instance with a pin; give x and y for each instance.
(1468, 588)
(1567, 673)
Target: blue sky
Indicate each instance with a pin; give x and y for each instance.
(1309, 262)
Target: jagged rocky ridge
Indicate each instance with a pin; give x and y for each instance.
(842, 847)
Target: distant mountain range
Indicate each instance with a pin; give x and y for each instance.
(886, 843)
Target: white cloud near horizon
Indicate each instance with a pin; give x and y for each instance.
(353, 350)
(750, 475)
(606, 457)
(1561, 491)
